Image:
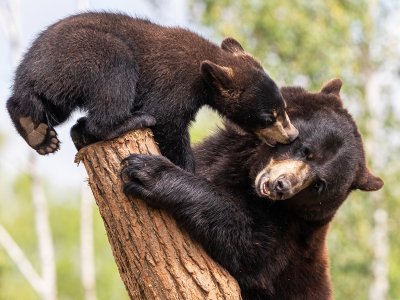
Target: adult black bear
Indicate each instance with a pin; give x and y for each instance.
(263, 213)
(129, 73)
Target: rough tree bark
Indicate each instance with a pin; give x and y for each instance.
(155, 259)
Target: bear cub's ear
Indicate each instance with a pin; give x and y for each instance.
(368, 182)
(333, 86)
(231, 45)
(216, 75)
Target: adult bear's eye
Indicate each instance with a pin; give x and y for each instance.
(319, 186)
(306, 152)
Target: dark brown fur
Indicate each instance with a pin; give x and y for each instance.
(128, 73)
(276, 249)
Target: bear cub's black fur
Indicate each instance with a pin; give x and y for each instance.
(263, 213)
(128, 73)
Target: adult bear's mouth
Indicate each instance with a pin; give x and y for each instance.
(262, 186)
(281, 180)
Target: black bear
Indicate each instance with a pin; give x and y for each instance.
(129, 73)
(263, 213)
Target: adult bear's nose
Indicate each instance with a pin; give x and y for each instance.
(282, 185)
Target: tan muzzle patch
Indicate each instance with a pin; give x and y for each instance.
(282, 131)
(281, 180)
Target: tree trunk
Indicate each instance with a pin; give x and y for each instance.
(155, 259)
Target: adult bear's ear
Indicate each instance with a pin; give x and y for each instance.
(231, 45)
(333, 86)
(216, 75)
(368, 182)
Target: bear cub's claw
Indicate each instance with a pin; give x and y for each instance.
(50, 145)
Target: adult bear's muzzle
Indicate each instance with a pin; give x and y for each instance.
(283, 179)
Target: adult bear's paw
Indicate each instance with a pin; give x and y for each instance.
(146, 177)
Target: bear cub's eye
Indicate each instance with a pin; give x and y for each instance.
(319, 186)
(267, 120)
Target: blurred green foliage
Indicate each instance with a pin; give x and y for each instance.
(207, 122)
(294, 39)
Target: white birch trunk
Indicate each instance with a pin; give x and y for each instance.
(380, 243)
(379, 288)
(88, 274)
(43, 232)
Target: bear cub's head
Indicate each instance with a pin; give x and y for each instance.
(245, 94)
(324, 164)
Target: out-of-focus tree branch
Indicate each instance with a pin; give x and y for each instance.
(20, 260)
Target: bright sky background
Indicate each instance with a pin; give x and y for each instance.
(35, 16)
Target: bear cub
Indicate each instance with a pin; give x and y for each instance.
(263, 213)
(128, 73)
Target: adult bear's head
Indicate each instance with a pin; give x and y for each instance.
(316, 172)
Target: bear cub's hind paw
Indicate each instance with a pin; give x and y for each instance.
(40, 137)
(80, 135)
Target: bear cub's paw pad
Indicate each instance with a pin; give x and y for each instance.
(42, 138)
